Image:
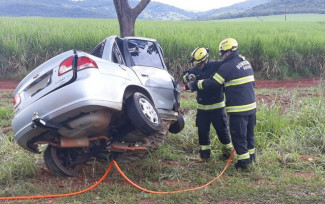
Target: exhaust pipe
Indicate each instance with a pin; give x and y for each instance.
(123, 147)
(72, 142)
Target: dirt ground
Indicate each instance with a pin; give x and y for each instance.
(260, 84)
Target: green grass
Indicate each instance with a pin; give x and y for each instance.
(290, 168)
(276, 49)
(15, 164)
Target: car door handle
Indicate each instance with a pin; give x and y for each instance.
(145, 75)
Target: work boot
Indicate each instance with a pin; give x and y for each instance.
(201, 160)
(252, 158)
(242, 164)
(204, 156)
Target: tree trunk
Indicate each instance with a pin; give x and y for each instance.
(127, 15)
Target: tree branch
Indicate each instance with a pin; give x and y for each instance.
(137, 10)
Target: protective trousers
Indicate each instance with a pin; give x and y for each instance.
(242, 135)
(218, 118)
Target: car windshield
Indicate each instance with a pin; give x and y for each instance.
(144, 53)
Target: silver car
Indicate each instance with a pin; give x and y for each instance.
(119, 98)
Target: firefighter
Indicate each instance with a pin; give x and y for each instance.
(237, 77)
(211, 105)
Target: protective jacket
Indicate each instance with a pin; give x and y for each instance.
(211, 110)
(237, 77)
(208, 99)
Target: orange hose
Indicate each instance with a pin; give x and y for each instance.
(176, 191)
(126, 178)
(61, 195)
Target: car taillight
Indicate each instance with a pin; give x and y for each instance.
(83, 63)
(17, 100)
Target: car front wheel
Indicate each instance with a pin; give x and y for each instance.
(143, 114)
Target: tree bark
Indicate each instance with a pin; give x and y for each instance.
(127, 15)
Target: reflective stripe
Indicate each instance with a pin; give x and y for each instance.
(205, 147)
(243, 156)
(199, 84)
(185, 79)
(228, 146)
(240, 81)
(251, 151)
(218, 78)
(212, 106)
(233, 109)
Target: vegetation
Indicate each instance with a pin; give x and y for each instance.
(276, 49)
(290, 168)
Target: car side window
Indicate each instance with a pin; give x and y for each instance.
(98, 50)
(144, 53)
(116, 55)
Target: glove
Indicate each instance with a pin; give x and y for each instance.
(188, 77)
(192, 85)
(191, 77)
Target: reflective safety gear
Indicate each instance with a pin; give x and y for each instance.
(207, 97)
(248, 107)
(251, 151)
(252, 155)
(226, 150)
(237, 77)
(240, 81)
(200, 54)
(205, 147)
(216, 117)
(212, 106)
(228, 44)
(243, 156)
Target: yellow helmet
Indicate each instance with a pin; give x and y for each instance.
(200, 54)
(228, 44)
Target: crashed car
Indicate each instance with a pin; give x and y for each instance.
(119, 98)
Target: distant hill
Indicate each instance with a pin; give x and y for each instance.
(276, 7)
(234, 9)
(87, 9)
(155, 10)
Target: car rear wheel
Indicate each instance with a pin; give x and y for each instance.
(143, 114)
(64, 162)
(178, 125)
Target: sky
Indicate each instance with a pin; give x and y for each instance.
(200, 5)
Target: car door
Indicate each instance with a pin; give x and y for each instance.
(147, 61)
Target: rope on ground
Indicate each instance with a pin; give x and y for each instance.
(126, 178)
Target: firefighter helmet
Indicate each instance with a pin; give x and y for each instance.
(200, 54)
(228, 44)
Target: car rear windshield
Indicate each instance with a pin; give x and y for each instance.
(144, 53)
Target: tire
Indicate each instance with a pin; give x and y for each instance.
(143, 114)
(58, 160)
(178, 125)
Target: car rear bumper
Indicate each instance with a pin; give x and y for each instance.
(81, 97)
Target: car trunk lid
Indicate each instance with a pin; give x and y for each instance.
(41, 81)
